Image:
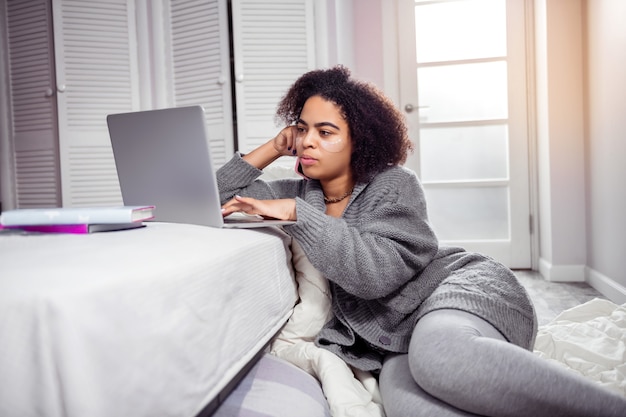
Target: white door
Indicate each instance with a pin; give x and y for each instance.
(34, 126)
(96, 69)
(463, 89)
(198, 55)
(274, 44)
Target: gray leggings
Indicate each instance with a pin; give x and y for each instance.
(460, 365)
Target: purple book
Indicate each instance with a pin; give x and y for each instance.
(77, 229)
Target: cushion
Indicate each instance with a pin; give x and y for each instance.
(274, 387)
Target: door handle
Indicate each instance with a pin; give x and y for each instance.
(409, 108)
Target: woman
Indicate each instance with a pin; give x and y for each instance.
(450, 332)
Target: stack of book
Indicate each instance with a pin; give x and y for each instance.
(76, 220)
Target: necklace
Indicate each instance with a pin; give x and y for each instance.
(333, 200)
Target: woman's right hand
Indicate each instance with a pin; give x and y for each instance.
(283, 209)
(283, 144)
(285, 141)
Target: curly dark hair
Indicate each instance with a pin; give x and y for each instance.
(378, 129)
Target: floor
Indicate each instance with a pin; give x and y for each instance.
(551, 298)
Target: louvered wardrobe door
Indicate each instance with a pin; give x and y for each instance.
(273, 45)
(96, 64)
(200, 67)
(31, 72)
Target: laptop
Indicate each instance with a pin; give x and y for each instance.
(163, 159)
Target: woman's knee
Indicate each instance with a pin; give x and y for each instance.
(402, 396)
(440, 348)
(396, 383)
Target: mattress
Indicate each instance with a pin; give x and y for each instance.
(145, 322)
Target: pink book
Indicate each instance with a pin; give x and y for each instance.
(77, 229)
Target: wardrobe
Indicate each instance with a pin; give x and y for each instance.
(70, 63)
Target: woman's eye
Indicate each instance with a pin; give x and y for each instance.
(300, 129)
(324, 133)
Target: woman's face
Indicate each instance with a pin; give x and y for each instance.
(323, 141)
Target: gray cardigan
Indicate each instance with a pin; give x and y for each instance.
(384, 264)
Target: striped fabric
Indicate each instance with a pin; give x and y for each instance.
(274, 387)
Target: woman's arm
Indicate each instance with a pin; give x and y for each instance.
(242, 170)
(241, 190)
(283, 144)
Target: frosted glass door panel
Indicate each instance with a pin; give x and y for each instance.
(463, 92)
(464, 153)
(482, 23)
(469, 213)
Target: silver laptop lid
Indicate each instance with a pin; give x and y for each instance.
(162, 158)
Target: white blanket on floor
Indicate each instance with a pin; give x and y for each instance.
(589, 339)
(350, 392)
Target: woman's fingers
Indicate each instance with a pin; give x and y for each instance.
(245, 204)
(283, 209)
(285, 141)
(290, 134)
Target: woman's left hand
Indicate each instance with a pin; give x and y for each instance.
(282, 209)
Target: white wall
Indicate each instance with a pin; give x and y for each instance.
(336, 20)
(605, 146)
(560, 139)
(368, 45)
